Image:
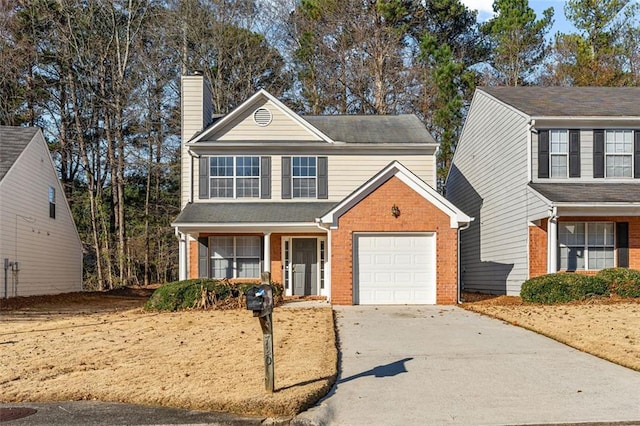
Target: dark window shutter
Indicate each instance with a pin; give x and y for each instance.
(286, 177)
(574, 153)
(598, 153)
(203, 257)
(323, 181)
(203, 182)
(636, 154)
(543, 154)
(265, 177)
(622, 243)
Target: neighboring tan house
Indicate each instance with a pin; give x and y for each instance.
(40, 249)
(552, 177)
(336, 206)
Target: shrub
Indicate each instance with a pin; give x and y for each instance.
(622, 281)
(203, 293)
(562, 287)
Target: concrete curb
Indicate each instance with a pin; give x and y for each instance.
(320, 415)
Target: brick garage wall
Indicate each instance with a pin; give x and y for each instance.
(538, 249)
(373, 214)
(538, 242)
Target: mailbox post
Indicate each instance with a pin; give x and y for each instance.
(260, 301)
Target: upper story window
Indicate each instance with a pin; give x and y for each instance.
(234, 177)
(304, 177)
(52, 202)
(559, 153)
(619, 153)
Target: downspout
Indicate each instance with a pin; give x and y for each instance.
(192, 155)
(530, 130)
(459, 289)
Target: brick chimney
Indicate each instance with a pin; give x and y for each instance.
(196, 108)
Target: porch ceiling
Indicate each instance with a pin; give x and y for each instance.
(252, 213)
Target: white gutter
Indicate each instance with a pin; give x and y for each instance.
(459, 286)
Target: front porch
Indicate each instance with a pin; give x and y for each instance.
(298, 260)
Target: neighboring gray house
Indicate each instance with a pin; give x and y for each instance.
(552, 177)
(40, 249)
(336, 206)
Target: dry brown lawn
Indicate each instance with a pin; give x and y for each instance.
(106, 347)
(608, 328)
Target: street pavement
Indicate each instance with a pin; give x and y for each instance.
(435, 365)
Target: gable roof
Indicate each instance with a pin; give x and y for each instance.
(539, 101)
(13, 140)
(356, 129)
(608, 192)
(395, 168)
(258, 97)
(372, 128)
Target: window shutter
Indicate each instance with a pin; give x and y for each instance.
(543, 154)
(203, 182)
(598, 153)
(323, 181)
(574, 153)
(265, 177)
(636, 154)
(203, 257)
(622, 243)
(286, 177)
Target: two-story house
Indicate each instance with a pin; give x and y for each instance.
(336, 206)
(552, 176)
(40, 248)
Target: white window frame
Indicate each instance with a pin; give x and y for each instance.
(586, 247)
(553, 143)
(234, 177)
(295, 178)
(610, 155)
(235, 258)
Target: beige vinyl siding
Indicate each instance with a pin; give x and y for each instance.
(488, 180)
(282, 127)
(48, 251)
(346, 173)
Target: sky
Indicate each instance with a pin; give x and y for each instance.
(485, 11)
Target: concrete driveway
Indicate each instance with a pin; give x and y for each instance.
(432, 365)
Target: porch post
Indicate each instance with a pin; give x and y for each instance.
(552, 248)
(182, 256)
(267, 252)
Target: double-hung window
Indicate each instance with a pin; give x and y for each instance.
(558, 153)
(586, 245)
(235, 256)
(619, 153)
(304, 177)
(234, 177)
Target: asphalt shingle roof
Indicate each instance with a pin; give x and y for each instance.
(242, 212)
(570, 101)
(372, 128)
(13, 141)
(606, 192)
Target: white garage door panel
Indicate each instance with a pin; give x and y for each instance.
(395, 269)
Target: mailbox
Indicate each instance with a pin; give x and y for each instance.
(260, 300)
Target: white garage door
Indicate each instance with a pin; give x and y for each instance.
(394, 269)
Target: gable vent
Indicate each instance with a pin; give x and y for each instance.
(262, 117)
